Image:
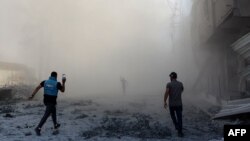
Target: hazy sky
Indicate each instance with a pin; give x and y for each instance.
(95, 42)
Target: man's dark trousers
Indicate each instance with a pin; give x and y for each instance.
(176, 115)
(50, 110)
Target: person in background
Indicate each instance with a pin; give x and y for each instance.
(174, 91)
(124, 84)
(51, 87)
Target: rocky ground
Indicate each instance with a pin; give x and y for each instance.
(100, 118)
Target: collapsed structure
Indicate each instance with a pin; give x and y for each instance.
(13, 74)
(225, 32)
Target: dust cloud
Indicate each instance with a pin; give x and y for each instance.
(98, 42)
(117, 56)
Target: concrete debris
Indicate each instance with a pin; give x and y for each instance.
(6, 109)
(5, 93)
(8, 115)
(83, 103)
(82, 116)
(28, 134)
(116, 112)
(138, 125)
(235, 108)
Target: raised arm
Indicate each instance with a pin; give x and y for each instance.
(63, 85)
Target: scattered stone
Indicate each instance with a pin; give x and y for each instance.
(55, 132)
(19, 127)
(116, 112)
(69, 139)
(28, 134)
(138, 125)
(8, 115)
(76, 111)
(91, 133)
(6, 109)
(29, 126)
(83, 103)
(82, 116)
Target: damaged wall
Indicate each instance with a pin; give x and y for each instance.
(207, 15)
(15, 74)
(242, 7)
(214, 30)
(241, 47)
(208, 56)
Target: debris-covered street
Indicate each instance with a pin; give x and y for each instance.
(99, 119)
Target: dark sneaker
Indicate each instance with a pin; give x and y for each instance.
(57, 126)
(180, 134)
(38, 131)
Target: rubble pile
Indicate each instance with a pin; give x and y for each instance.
(136, 125)
(6, 109)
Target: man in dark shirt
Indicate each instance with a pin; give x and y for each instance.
(174, 90)
(51, 87)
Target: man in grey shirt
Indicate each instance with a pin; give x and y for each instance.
(174, 90)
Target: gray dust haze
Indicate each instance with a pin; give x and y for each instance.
(104, 46)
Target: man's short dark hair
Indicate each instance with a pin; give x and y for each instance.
(53, 74)
(173, 75)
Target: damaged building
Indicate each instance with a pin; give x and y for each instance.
(14, 77)
(224, 32)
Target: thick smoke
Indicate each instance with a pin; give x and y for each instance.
(98, 42)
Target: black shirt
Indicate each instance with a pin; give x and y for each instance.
(175, 90)
(48, 99)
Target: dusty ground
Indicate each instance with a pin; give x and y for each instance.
(100, 118)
